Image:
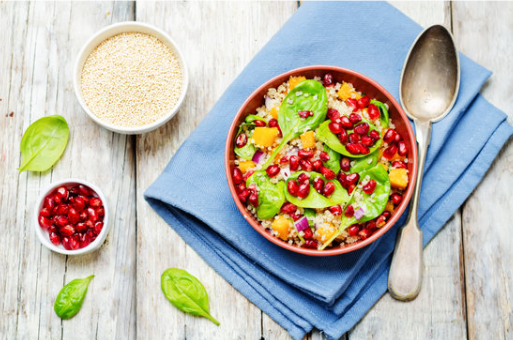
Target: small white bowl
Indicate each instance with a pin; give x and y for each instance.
(112, 30)
(43, 234)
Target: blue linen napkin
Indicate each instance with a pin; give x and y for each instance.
(332, 293)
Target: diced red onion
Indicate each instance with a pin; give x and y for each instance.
(302, 224)
(258, 156)
(285, 172)
(359, 213)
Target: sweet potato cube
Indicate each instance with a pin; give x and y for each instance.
(308, 139)
(325, 232)
(244, 166)
(398, 178)
(274, 112)
(265, 136)
(389, 207)
(281, 226)
(294, 81)
(345, 91)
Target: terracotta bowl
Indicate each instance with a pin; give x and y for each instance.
(363, 84)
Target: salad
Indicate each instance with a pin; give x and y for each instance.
(320, 164)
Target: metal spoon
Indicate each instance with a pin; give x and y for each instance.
(429, 87)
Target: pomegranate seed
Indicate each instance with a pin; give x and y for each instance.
(355, 118)
(324, 156)
(364, 150)
(398, 137)
(353, 230)
(259, 123)
(89, 224)
(364, 233)
(353, 103)
(389, 136)
(350, 188)
(333, 115)
(349, 211)
(398, 165)
(248, 175)
(318, 184)
(92, 216)
(83, 215)
(73, 216)
(100, 212)
(98, 226)
(402, 149)
(62, 192)
(306, 165)
(288, 208)
(253, 199)
(369, 187)
(241, 186)
(243, 195)
(329, 188)
(305, 154)
(374, 135)
(336, 210)
(342, 137)
(373, 112)
(95, 202)
(80, 227)
(61, 221)
(295, 216)
(49, 203)
(362, 128)
(84, 190)
(58, 199)
(303, 177)
(45, 212)
(74, 242)
(237, 175)
(85, 240)
(371, 225)
(303, 190)
(363, 102)
(381, 221)
(354, 138)
(328, 80)
(273, 123)
(78, 203)
(353, 148)
(308, 233)
(335, 127)
(273, 170)
(352, 178)
(284, 160)
(328, 173)
(241, 140)
(91, 235)
(279, 131)
(346, 123)
(342, 179)
(387, 215)
(45, 222)
(294, 163)
(390, 152)
(367, 141)
(305, 114)
(55, 239)
(317, 165)
(345, 164)
(65, 243)
(61, 209)
(396, 198)
(67, 230)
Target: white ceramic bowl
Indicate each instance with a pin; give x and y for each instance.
(109, 31)
(43, 234)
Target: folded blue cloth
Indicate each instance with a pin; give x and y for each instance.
(330, 293)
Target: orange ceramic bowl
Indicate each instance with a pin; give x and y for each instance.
(363, 84)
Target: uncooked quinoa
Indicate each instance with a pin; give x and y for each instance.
(131, 79)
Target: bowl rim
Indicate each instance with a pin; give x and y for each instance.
(130, 26)
(351, 247)
(96, 244)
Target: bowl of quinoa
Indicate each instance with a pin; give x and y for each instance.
(130, 78)
(321, 160)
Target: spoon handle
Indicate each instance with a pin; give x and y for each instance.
(405, 276)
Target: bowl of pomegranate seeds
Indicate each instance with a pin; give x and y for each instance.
(71, 217)
(321, 160)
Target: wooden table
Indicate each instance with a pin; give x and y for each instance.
(468, 277)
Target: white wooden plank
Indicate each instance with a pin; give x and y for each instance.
(218, 39)
(484, 32)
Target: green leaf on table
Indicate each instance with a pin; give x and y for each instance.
(70, 298)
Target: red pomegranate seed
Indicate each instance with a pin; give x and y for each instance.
(367, 141)
(305, 114)
(324, 156)
(55, 239)
(83, 215)
(353, 230)
(328, 80)
(328, 173)
(398, 165)
(303, 177)
(354, 138)
(329, 188)
(61, 220)
(237, 175)
(45, 212)
(390, 152)
(80, 227)
(65, 243)
(336, 210)
(305, 154)
(241, 186)
(273, 170)
(74, 242)
(387, 215)
(342, 137)
(259, 123)
(333, 115)
(374, 135)
(49, 203)
(345, 164)
(253, 199)
(369, 187)
(335, 127)
(92, 216)
(241, 140)
(85, 240)
(78, 203)
(353, 148)
(62, 192)
(58, 199)
(362, 128)
(363, 102)
(308, 233)
(89, 224)
(44, 222)
(402, 149)
(350, 188)
(84, 190)
(381, 221)
(295, 216)
(303, 190)
(364, 150)
(373, 112)
(284, 160)
(318, 184)
(398, 137)
(279, 131)
(317, 165)
(306, 165)
(352, 178)
(273, 123)
(389, 136)
(396, 198)
(100, 212)
(61, 209)
(346, 123)
(248, 175)
(349, 211)
(67, 230)
(243, 195)
(311, 244)
(342, 179)
(353, 103)
(365, 233)
(73, 216)
(288, 208)
(98, 226)
(355, 118)
(294, 163)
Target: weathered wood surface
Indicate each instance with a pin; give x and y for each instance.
(468, 267)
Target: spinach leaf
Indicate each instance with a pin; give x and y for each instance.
(252, 118)
(329, 138)
(270, 196)
(186, 293)
(309, 95)
(70, 298)
(43, 143)
(310, 215)
(334, 162)
(314, 199)
(248, 150)
(373, 204)
(384, 112)
(362, 164)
